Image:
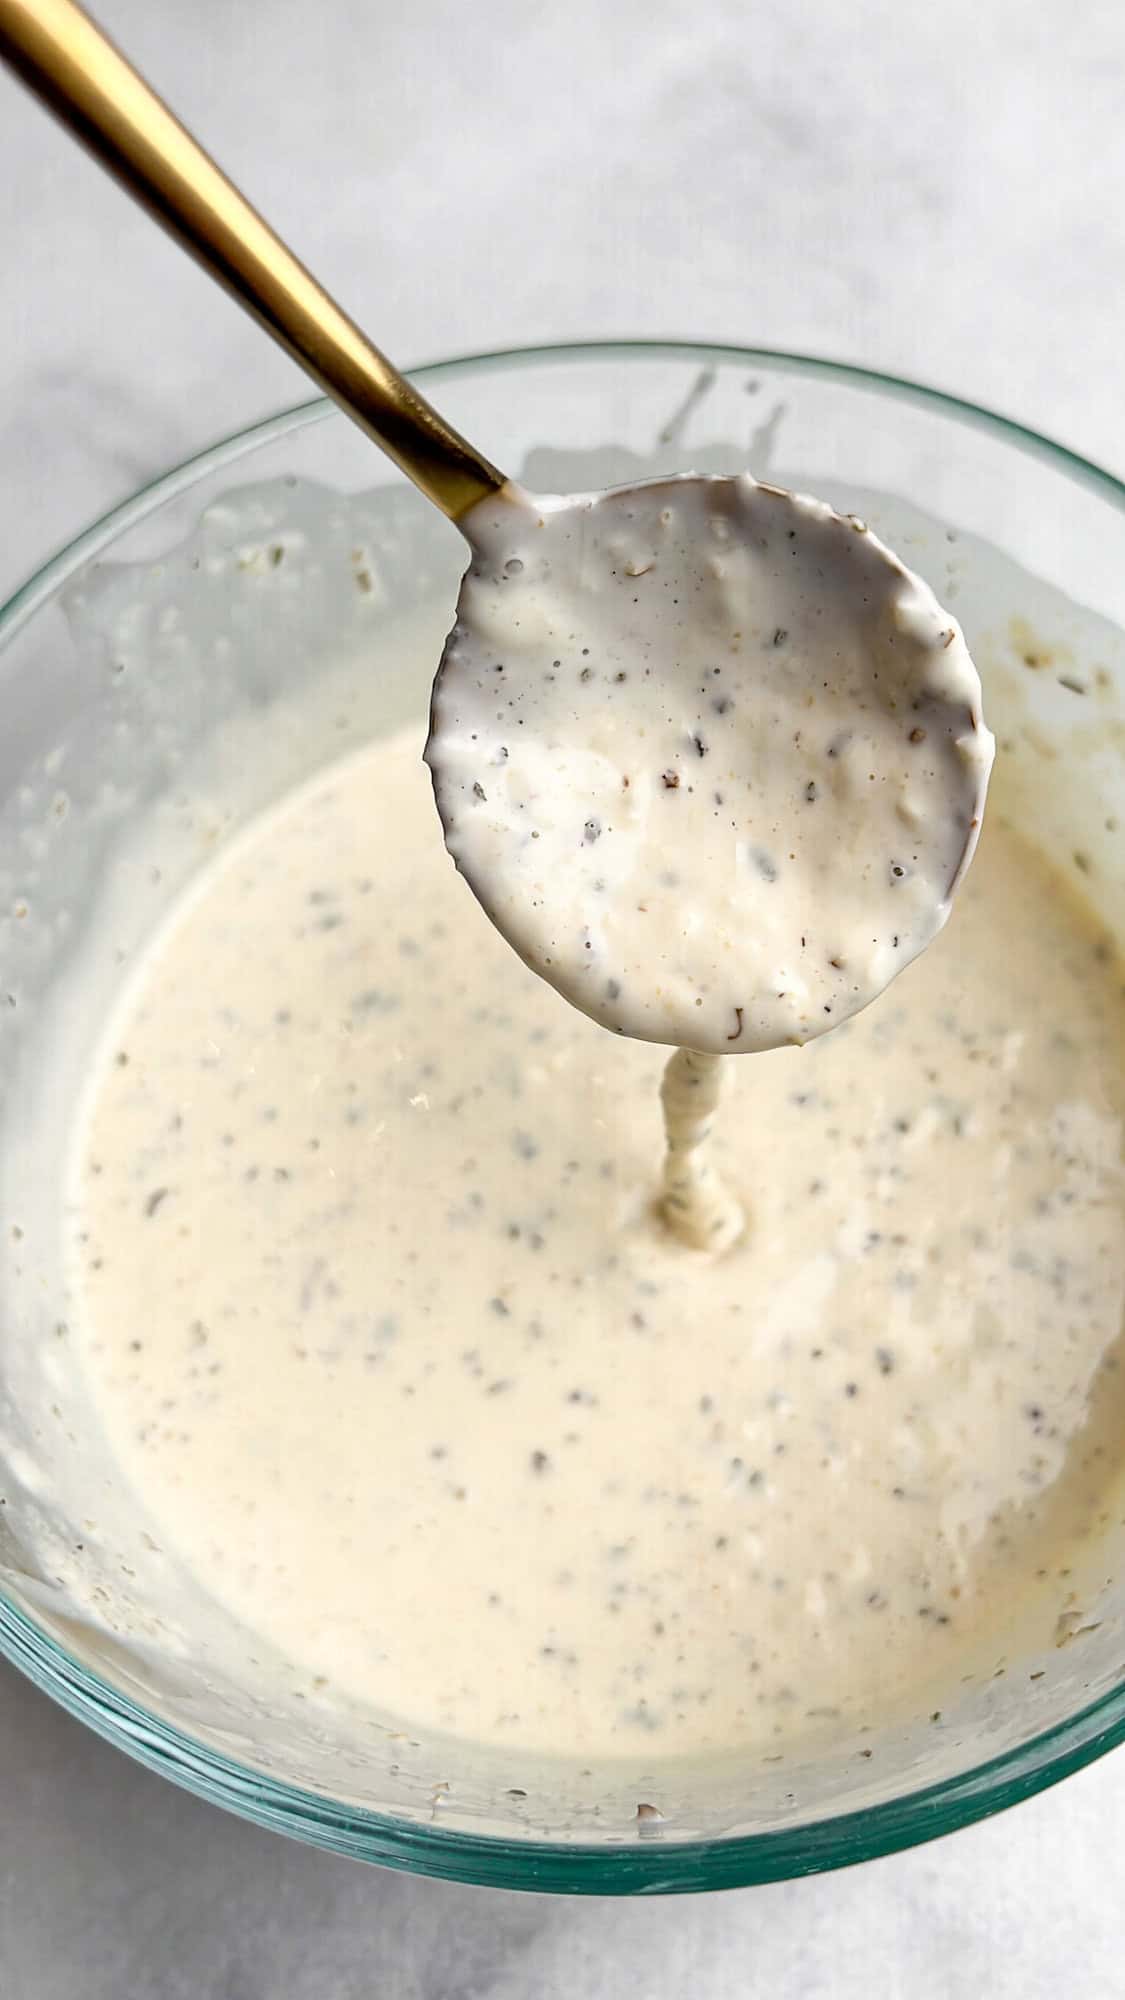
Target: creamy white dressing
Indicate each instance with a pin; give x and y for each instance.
(710, 757)
(387, 1335)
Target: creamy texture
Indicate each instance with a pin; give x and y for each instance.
(710, 757)
(384, 1330)
(696, 1205)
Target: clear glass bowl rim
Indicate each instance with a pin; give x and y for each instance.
(649, 1866)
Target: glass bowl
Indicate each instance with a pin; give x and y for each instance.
(158, 635)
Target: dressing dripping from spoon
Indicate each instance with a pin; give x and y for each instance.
(709, 756)
(713, 761)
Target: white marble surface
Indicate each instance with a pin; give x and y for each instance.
(935, 190)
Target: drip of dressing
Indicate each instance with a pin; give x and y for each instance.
(564, 1484)
(696, 1205)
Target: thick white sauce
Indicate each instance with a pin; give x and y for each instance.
(710, 757)
(398, 1356)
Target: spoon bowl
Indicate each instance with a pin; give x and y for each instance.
(709, 755)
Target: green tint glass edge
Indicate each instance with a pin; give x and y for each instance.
(237, 444)
(656, 1866)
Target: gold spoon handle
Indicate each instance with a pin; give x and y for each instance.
(66, 61)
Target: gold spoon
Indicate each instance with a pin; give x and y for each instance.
(73, 68)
